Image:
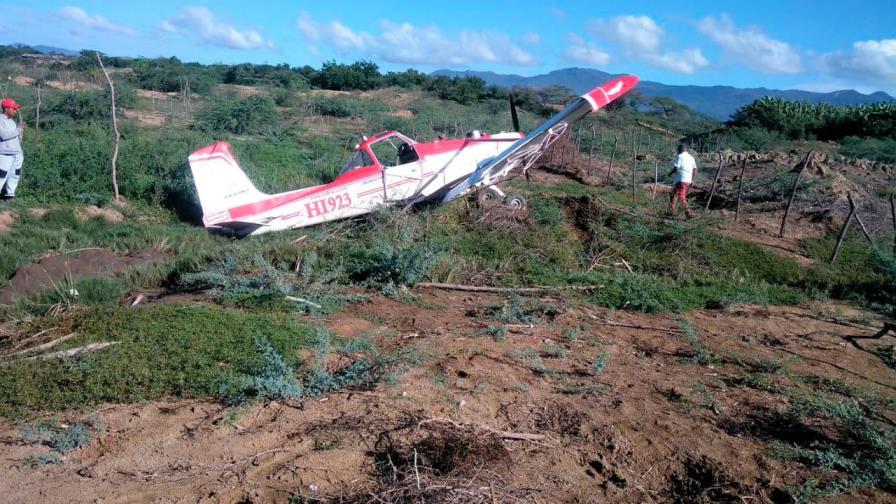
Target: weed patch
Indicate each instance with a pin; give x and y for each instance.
(273, 379)
(164, 351)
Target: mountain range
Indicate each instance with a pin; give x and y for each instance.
(43, 49)
(718, 102)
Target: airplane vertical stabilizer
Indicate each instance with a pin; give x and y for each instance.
(220, 181)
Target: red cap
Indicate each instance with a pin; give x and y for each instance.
(9, 103)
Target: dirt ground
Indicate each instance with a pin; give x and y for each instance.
(60, 271)
(637, 433)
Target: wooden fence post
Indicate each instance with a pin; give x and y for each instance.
(612, 156)
(635, 165)
(893, 215)
(591, 151)
(740, 187)
(796, 184)
(37, 111)
(852, 211)
(863, 228)
(656, 176)
(715, 181)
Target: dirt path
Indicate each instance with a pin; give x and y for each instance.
(642, 431)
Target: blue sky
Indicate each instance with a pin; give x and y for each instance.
(819, 46)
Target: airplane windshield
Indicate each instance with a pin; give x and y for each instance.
(358, 159)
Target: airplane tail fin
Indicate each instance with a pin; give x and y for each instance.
(220, 182)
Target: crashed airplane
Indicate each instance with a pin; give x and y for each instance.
(388, 168)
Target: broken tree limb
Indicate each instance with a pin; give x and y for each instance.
(46, 346)
(852, 212)
(115, 128)
(81, 350)
(484, 288)
(29, 339)
(715, 181)
(304, 301)
(796, 184)
(522, 436)
(629, 325)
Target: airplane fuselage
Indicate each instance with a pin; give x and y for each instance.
(358, 190)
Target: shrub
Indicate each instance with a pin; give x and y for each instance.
(599, 364)
(272, 379)
(61, 439)
(336, 106)
(360, 75)
(243, 116)
(876, 149)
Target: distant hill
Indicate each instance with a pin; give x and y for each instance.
(715, 101)
(43, 49)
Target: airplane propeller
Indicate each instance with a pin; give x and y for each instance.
(513, 116)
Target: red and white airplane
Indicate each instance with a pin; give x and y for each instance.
(386, 169)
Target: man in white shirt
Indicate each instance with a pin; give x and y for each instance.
(11, 156)
(684, 169)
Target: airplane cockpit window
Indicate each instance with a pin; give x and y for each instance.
(358, 159)
(386, 152)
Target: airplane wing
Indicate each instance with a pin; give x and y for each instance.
(525, 152)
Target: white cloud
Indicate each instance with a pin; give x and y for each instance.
(751, 47)
(203, 23)
(634, 34)
(95, 22)
(417, 45)
(687, 61)
(558, 13)
(869, 61)
(166, 26)
(642, 38)
(532, 38)
(584, 52)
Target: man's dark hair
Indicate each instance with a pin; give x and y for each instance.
(682, 147)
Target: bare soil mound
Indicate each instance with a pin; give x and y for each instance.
(483, 419)
(110, 214)
(7, 218)
(59, 270)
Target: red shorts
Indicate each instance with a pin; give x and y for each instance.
(681, 189)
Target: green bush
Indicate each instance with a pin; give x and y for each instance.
(876, 149)
(255, 114)
(360, 75)
(163, 351)
(273, 379)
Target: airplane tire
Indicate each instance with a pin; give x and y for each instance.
(487, 196)
(515, 201)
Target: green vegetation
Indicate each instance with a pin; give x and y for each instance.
(803, 120)
(599, 364)
(163, 351)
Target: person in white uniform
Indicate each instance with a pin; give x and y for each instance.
(684, 168)
(11, 156)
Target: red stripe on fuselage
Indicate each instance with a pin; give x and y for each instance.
(271, 203)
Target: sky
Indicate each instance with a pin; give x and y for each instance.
(798, 44)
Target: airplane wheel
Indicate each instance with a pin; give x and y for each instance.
(487, 197)
(515, 201)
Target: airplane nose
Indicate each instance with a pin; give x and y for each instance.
(609, 91)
